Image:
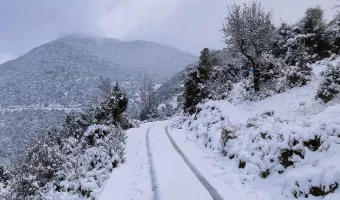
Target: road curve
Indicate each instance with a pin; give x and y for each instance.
(213, 192)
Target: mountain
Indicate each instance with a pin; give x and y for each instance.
(64, 74)
(169, 96)
(67, 71)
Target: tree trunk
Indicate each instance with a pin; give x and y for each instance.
(256, 77)
(256, 74)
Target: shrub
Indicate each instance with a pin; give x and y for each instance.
(287, 154)
(264, 174)
(330, 85)
(270, 68)
(313, 144)
(299, 75)
(242, 164)
(75, 158)
(5, 175)
(226, 135)
(37, 167)
(316, 191)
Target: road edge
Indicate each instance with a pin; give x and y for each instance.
(212, 191)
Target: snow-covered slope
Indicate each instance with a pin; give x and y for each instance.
(282, 147)
(65, 73)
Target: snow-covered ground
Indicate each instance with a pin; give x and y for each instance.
(132, 179)
(282, 147)
(173, 179)
(272, 151)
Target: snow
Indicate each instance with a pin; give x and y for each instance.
(175, 178)
(259, 134)
(131, 180)
(224, 177)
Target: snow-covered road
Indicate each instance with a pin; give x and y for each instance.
(155, 170)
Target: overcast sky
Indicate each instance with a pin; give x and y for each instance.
(188, 25)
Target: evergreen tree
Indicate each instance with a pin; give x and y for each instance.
(333, 33)
(313, 21)
(205, 65)
(191, 92)
(196, 88)
(110, 110)
(313, 26)
(282, 35)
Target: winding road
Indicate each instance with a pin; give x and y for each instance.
(157, 169)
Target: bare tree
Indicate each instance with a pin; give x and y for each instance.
(148, 100)
(249, 29)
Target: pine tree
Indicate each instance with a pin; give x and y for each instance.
(313, 26)
(205, 65)
(110, 110)
(196, 88)
(191, 92)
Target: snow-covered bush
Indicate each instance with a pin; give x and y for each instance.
(299, 72)
(5, 175)
(282, 34)
(90, 161)
(74, 160)
(270, 68)
(333, 33)
(69, 165)
(222, 79)
(299, 75)
(268, 144)
(243, 91)
(330, 85)
(5, 179)
(226, 135)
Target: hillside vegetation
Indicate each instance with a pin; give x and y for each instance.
(269, 102)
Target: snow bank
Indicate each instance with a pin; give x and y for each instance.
(290, 140)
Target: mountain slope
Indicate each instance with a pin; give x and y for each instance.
(66, 73)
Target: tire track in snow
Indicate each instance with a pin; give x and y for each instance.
(213, 192)
(152, 170)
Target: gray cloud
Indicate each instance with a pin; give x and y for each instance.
(196, 24)
(26, 24)
(189, 25)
